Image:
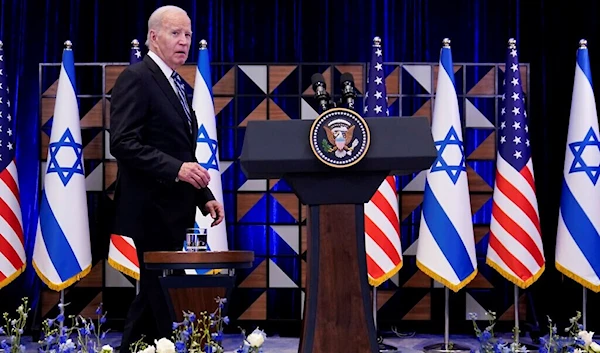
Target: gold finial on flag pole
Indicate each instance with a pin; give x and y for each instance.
(1, 45)
(135, 43)
(203, 44)
(68, 45)
(582, 44)
(512, 43)
(446, 42)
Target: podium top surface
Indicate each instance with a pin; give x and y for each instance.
(200, 259)
(399, 145)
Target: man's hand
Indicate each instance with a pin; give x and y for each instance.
(194, 174)
(216, 211)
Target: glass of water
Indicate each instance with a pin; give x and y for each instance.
(195, 239)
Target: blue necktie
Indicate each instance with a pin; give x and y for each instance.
(181, 95)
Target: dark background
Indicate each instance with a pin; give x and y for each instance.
(547, 35)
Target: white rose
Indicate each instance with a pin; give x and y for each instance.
(164, 346)
(256, 338)
(107, 349)
(595, 346)
(586, 337)
(578, 350)
(149, 349)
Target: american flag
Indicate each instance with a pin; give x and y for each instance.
(515, 246)
(122, 254)
(12, 248)
(135, 55)
(382, 222)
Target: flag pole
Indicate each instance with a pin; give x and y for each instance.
(446, 346)
(584, 311)
(61, 308)
(137, 287)
(516, 299)
(383, 348)
(446, 318)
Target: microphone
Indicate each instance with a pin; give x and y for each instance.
(348, 92)
(320, 88)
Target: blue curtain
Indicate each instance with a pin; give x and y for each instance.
(547, 34)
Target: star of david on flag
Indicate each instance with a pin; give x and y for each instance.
(590, 141)
(207, 146)
(71, 159)
(441, 165)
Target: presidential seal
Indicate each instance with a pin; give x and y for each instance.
(339, 137)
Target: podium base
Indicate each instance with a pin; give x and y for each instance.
(386, 348)
(441, 348)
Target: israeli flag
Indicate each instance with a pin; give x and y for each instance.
(578, 235)
(62, 253)
(207, 151)
(446, 245)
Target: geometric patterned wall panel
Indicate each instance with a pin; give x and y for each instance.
(265, 216)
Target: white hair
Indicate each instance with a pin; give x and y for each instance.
(155, 20)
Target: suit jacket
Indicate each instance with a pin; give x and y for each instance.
(150, 138)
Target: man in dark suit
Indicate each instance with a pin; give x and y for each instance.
(159, 182)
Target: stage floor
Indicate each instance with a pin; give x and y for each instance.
(409, 344)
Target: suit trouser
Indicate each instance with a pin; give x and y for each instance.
(148, 314)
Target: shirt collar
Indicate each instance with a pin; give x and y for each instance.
(161, 64)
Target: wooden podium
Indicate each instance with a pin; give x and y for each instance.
(197, 292)
(337, 310)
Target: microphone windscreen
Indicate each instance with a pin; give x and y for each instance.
(346, 76)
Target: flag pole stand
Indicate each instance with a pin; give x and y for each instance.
(584, 311)
(446, 346)
(526, 346)
(383, 348)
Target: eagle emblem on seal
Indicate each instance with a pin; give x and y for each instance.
(339, 139)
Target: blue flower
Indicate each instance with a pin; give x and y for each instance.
(192, 317)
(50, 322)
(180, 346)
(60, 318)
(472, 316)
(102, 320)
(226, 320)
(543, 349)
(2, 331)
(99, 309)
(4, 345)
(176, 325)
